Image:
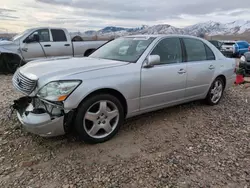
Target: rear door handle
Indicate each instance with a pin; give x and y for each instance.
(181, 71)
(211, 67)
(47, 45)
(66, 44)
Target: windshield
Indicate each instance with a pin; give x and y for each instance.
(214, 42)
(229, 43)
(18, 36)
(127, 49)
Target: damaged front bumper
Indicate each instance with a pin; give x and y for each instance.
(245, 66)
(42, 117)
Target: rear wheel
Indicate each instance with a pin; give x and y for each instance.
(215, 92)
(99, 118)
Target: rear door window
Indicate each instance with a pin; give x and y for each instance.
(197, 51)
(58, 35)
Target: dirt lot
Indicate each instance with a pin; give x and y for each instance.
(191, 145)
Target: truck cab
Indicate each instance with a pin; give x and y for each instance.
(46, 42)
(40, 43)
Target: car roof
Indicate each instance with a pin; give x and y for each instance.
(36, 28)
(161, 36)
(229, 41)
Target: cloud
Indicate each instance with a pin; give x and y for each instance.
(240, 12)
(148, 10)
(95, 14)
(6, 14)
(6, 10)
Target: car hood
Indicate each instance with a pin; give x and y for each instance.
(58, 67)
(6, 42)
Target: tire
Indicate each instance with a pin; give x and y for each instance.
(3, 68)
(219, 92)
(93, 119)
(11, 62)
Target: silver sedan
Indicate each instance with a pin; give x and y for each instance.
(124, 78)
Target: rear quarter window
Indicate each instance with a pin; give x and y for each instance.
(209, 53)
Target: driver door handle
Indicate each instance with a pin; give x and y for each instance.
(47, 45)
(211, 67)
(25, 49)
(181, 71)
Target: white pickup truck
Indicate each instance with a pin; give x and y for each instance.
(39, 43)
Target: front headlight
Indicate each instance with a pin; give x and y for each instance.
(58, 90)
(243, 59)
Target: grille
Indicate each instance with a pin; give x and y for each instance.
(23, 84)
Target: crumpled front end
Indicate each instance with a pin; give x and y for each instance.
(42, 117)
(246, 63)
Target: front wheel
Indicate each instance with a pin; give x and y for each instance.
(215, 92)
(99, 118)
(11, 62)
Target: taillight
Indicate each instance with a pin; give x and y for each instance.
(248, 48)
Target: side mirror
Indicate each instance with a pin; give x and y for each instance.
(36, 38)
(32, 38)
(152, 60)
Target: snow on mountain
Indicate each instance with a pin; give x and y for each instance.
(209, 28)
(238, 26)
(161, 29)
(119, 31)
(111, 29)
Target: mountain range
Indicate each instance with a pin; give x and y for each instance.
(209, 28)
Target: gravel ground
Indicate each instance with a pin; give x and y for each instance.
(191, 145)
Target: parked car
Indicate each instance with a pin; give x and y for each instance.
(227, 48)
(216, 43)
(240, 47)
(38, 43)
(245, 63)
(234, 48)
(126, 77)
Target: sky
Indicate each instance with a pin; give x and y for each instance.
(82, 15)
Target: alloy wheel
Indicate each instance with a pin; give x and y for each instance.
(216, 91)
(101, 119)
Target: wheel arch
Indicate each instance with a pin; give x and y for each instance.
(10, 54)
(110, 91)
(219, 76)
(88, 52)
(223, 79)
(6, 55)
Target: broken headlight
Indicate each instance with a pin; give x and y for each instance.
(58, 90)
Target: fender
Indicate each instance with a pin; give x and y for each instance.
(3, 50)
